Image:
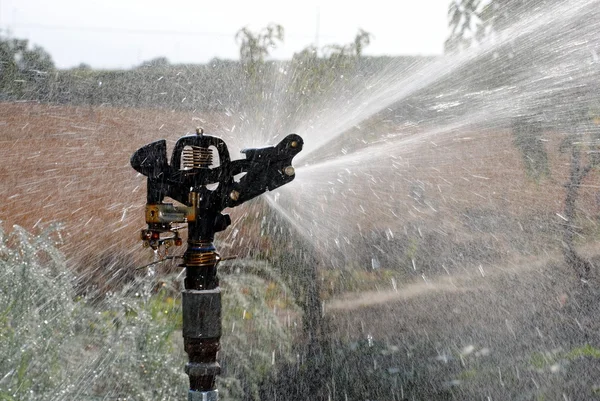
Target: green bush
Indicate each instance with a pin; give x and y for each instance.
(126, 345)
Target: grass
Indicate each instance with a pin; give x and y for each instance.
(541, 361)
(585, 351)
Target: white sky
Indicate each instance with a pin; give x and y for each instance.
(123, 33)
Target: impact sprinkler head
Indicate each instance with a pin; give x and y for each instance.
(190, 174)
(204, 188)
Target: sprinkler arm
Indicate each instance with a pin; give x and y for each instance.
(266, 169)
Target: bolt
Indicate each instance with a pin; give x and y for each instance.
(234, 195)
(289, 171)
(294, 144)
(199, 130)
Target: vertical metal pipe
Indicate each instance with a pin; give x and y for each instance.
(201, 307)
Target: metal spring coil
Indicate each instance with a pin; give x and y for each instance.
(210, 258)
(196, 157)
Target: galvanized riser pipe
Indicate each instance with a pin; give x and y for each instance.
(201, 307)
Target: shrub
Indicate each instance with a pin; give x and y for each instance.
(126, 344)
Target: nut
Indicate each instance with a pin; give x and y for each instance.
(289, 171)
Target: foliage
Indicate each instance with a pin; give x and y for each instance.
(585, 351)
(352, 49)
(583, 147)
(464, 18)
(472, 21)
(23, 69)
(126, 345)
(33, 295)
(504, 23)
(255, 87)
(544, 360)
(306, 78)
(317, 74)
(53, 341)
(259, 319)
(361, 40)
(528, 139)
(254, 47)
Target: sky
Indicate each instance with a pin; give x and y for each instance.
(124, 33)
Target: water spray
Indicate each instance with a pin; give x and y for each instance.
(204, 180)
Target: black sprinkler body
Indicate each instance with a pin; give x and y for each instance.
(204, 187)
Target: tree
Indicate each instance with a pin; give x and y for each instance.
(314, 73)
(158, 62)
(361, 40)
(83, 67)
(464, 17)
(578, 171)
(472, 21)
(352, 49)
(254, 47)
(23, 69)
